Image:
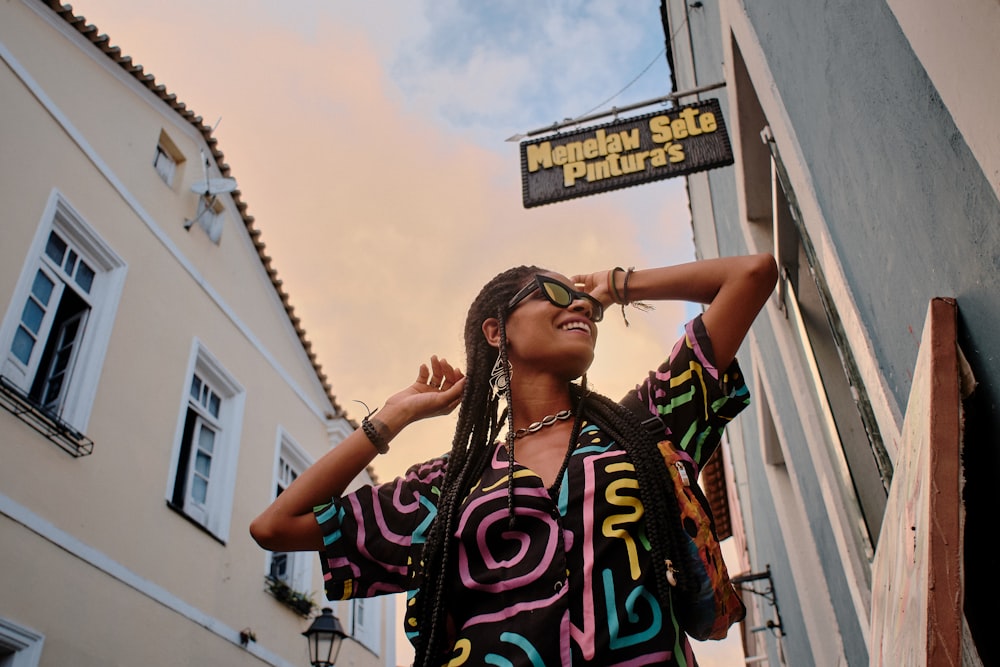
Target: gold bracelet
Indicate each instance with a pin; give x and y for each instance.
(612, 288)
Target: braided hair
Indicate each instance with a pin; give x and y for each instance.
(477, 427)
(479, 422)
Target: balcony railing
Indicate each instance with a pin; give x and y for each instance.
(49, 425)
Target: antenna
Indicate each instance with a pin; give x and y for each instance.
(208, 189)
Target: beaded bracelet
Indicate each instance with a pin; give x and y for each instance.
(623, 298)
(628, 274)
(381, 446)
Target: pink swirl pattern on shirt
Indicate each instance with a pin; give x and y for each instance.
(485, 550)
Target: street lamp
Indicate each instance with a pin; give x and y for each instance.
(324, 637)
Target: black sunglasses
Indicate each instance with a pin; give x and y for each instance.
(558, 295)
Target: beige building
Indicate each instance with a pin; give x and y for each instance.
(158, 388)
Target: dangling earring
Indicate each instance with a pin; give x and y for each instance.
(498, 379)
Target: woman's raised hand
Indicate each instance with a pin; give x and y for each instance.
(596, 285)
(436, 391)
(288, 523)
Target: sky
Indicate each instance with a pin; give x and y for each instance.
(369, 142)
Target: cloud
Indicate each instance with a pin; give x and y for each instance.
(493, 70)
(383, 219)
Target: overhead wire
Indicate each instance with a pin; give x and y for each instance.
(628, 85)
(637, 76)
(587, 115)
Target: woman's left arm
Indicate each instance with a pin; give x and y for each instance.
(735, 289)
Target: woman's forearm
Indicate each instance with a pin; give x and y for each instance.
(288, 523)
(698, 282)
(735, 289)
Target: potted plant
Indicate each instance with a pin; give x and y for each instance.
(301, 603)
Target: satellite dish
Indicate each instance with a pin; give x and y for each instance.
(213, 186)
(207, 189)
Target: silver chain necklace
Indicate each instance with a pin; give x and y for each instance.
(548, 420)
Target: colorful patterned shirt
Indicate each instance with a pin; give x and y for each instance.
(570, 584)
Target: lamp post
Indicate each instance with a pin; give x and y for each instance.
(324, 636)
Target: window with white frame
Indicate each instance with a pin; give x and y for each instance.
(19, 646)
(58, 322)
(167, 158)
(211, 217)
(164, 165)
(367, 625)
(294, 569)
(204, 465)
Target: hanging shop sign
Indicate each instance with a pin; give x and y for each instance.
(624, 153)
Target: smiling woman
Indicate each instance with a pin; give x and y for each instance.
(563, 522)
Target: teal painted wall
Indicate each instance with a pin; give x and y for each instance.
(912, 217)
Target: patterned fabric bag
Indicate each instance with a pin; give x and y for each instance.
(708, 611)
(714, 605)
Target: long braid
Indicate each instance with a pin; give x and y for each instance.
(510, 418)
(437, 549)
(476, 429)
